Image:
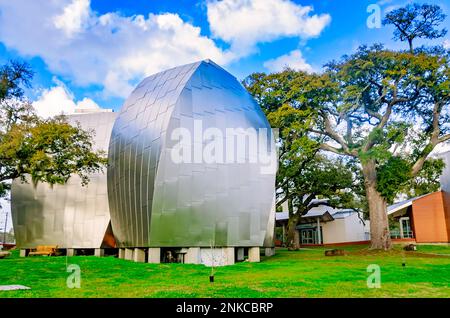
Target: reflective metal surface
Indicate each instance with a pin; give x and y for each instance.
(157, 202)
(70, 215)
(445, 177)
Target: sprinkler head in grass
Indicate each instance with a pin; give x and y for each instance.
(211, 279)
(403, 264)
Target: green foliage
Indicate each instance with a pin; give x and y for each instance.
(384, 110)
(4, 188)
(290, 100)
(393, 174)
(48, 150)
(298, 90)
(377, 106)
(391, 102)
(318, 177)
(426, 181)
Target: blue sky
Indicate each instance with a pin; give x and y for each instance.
(92, 53)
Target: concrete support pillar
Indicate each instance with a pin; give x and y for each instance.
(253, 254)
(139, 255)
(229, 253)
(23, 253)
(129, 254)
(154, 255)
(121, 253)
(240, 254)
(193, 256)
(99, 252)
(70, 252)
(269, 251)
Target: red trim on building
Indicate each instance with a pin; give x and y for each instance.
(8, 246)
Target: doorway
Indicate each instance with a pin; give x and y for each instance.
(308, 236)
(405, 228)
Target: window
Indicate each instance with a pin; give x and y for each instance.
(405, 228)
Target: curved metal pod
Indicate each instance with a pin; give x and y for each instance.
(68, 215)
(156, 201)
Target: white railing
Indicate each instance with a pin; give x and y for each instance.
(395, 234)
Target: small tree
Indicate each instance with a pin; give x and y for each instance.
(416, 21)
(47, 150)
(319, 177)
(303, 174)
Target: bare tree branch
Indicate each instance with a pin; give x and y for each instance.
(327, 147)
(444, 138)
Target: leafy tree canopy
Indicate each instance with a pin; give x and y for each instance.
(383, 110)
(303, 173)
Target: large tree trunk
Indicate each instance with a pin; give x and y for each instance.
(293, 242)
(379, 225)
(292, 239)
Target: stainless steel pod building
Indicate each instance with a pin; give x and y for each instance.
(191, 164)
(157, 200)
(69, 215)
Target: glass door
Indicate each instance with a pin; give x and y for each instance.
(405, 226)
(308, 236)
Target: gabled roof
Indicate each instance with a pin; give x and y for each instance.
(310, 218)
(324, 212)
(342, 214)
(281, 216)
(404, 204)
(399, 206)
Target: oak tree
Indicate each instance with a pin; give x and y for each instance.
(303, 173)
(391, 110)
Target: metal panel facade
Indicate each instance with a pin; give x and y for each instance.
(445, 177)
(157, 202)
(70, 215)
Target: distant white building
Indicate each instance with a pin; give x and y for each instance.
(324, 225)
(445, 177)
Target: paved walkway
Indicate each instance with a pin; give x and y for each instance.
(13, 287)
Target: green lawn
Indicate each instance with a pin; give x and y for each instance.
(304, 273)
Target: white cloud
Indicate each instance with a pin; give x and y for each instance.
(446, 44)
(110, 50)
(73, 18)
(391, 8)
(244, 23)
(59, 100)
(383, 2)
(115, 51)
(293, 59)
